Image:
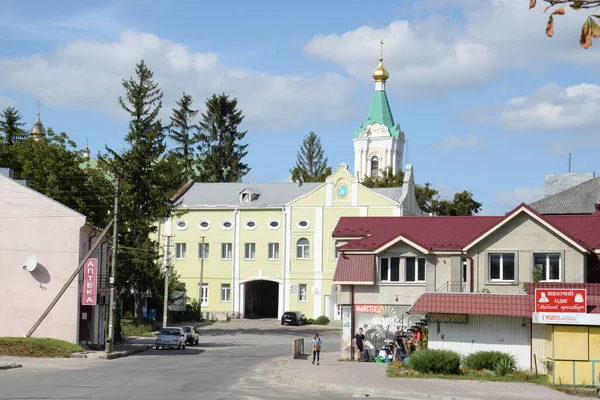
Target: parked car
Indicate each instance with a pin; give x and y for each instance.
(192, 336)
(171, 337)
(293, 318)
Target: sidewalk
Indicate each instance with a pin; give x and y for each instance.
(131, 345)
(362, 379)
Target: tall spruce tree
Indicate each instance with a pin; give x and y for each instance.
(182, 130)
(220, 141)
(148, 180)
(311, 163)
(11, 126)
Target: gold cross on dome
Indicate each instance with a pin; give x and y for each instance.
(381, 49)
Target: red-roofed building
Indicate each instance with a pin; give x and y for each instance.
(392, 261)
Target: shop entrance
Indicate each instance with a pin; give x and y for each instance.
(261, 299)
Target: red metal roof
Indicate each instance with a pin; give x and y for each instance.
(454, 233)
(358, 268)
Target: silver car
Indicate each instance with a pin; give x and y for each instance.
(171, 337)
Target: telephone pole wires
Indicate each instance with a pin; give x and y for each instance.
(111, 327)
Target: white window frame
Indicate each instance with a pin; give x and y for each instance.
(417, 280)
(546, 269)
(247, 247)
(389, 268)
(203, 253)
(204, 228)
(489, 269)
(274, 227)
(225, 228)
(272, 246)
(300, 299)
(181, 228)
(225, 292)
(303, 227)
(180, 250)
(305, 253)
(250, 228)
(336, 244)
(229, 250)
(203, 294)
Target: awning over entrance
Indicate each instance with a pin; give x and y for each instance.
(355, 269)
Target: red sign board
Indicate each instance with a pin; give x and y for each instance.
(560, 301)
(90, 279)
(367, 308)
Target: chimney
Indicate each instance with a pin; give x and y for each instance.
(597, 209)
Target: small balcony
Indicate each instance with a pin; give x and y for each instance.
(103, 282)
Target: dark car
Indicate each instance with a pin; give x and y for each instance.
(293, 318)
(192, 337)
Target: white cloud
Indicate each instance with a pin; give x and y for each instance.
(431, 56)
(554, 108)
(459, 142)
(88, 74)
(518, 195)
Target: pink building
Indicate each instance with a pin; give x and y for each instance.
(33, 225)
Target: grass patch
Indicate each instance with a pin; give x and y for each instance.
(129, 329)
(37, 347)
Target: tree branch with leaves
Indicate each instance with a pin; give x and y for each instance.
(590, 29)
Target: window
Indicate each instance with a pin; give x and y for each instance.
(204, 225)
(226, 225)
(302, 292)
(374, 167)
(274, 224)
(180, 251)
(302, 224)
(203, 251)
(546, 267)
(226, 250)
(245, 196)
(389, 269)
(204, 294)
(225, 292)
(250, 224)
(415, 269)
(302, 249)
(273, 251)
(502, 267)
(249, 251)
(181, 224)
(339, 243)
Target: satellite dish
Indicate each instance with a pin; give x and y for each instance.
(30, 263)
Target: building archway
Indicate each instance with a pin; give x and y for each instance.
(261, 299)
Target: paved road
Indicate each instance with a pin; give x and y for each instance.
(233, 361)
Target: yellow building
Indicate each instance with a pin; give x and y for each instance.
(267, 248)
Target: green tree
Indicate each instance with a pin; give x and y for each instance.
(590, 29)
(11, 126)
(148, 180)
(219, 140)
(428, 198)
(182, 131)
(311, 163)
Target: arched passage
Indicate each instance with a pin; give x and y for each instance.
(261, 299)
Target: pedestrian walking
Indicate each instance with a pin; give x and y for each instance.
(359, 339)
(316, 342)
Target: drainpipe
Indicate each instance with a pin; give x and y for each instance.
(351, 321)
(472, 270)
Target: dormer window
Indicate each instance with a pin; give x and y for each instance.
(247, 195)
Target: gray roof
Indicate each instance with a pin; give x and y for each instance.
(580, 199)
(269, 194)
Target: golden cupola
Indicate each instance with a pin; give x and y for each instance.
(380, 74)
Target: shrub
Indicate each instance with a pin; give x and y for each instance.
(322, 320)
(445, 362)
(488, 359)
(310, 321)
(504, 366)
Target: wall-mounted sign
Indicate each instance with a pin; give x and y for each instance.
(316, 291)
(342, 190)
(560, 301)
(367, 308)
(294, 288)
(449, 318)
(90, 282)
(566, 319)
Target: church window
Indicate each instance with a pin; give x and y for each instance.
(374, 167)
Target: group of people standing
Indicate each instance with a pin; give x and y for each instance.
(400, 348)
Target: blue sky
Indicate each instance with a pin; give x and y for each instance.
(488, 103)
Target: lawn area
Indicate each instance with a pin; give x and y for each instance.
(130, 329)
(36, 347)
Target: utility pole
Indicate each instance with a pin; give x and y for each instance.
(167, 273)
(111, 327)
(202, 253)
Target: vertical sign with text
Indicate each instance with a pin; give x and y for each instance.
(90, 278)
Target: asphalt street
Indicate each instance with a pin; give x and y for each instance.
(236, 360)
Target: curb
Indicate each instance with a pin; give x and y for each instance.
(113, 355)
(10, 366)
